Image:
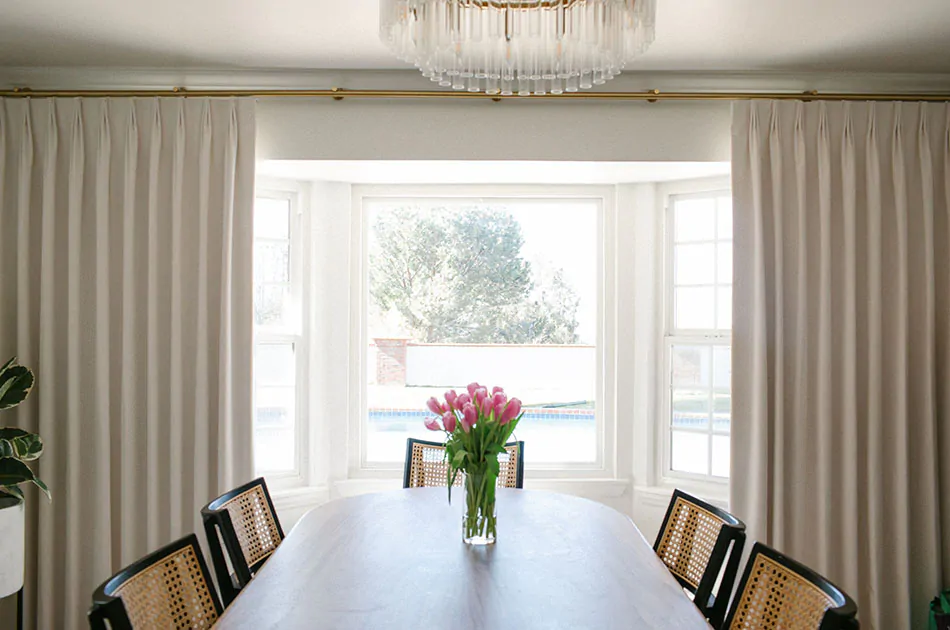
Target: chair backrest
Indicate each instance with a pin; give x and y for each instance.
(426, 466)
(247, 523)
(778, 592)
(170, 588)
(694, 543)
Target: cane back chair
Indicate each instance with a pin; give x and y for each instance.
(694, 542)
(426, 466)
(777, 592)
(170, 588)
(245, 520)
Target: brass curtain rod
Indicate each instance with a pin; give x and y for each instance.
(341, 93)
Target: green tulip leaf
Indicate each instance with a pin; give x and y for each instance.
(16, 382)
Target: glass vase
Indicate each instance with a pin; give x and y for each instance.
(478, 524)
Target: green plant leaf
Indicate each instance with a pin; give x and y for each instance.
(459, 459)
(493, 466)
(13, 491)
(42, 486)
(6, 448)
(15, 384)
(13, 471)
(9, 433)
(6, 365)
(28, 447)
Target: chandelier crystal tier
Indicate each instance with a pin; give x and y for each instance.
(518, 47)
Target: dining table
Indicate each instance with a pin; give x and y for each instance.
(397, 560)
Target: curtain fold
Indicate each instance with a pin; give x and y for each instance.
(841, 342)
(125, 283)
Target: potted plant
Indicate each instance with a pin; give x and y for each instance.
(477, 425)
(16, 447)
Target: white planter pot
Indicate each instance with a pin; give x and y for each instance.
(12, 541)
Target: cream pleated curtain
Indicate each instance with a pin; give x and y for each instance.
(841, 366)
(125, 283)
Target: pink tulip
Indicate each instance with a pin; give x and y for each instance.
(450, 398)
(511, 411)
(449, 421)
(486, 406)
(469, 417)
(481, 394)
(499, 409)
(496, 389)
(499, 398)
(472, 387)
(462, 400)
(432, 424)
(435, 407)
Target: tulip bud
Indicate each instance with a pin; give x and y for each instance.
(499, 399)
(434, 406)
(496, 389)
(450, 398)
(472, 387)
(486, 407)
(481, 394)
(432, 424)
(462, 400)
(469, 417)
(449, 421)
(511, 411)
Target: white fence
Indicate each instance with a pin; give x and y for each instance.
(516, 366)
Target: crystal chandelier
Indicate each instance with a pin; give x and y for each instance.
(517, 46)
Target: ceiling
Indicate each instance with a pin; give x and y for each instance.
(487, 172)
(912, 36)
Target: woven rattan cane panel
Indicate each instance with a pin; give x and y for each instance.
(254, 524)
(777, 598)
(688, 540)
(172, 593)
(428, 468)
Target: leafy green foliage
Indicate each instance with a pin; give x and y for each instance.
(16, 445)
(460, 277)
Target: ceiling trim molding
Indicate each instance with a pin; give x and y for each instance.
(213, 79)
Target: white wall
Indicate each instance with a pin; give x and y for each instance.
(320, 129)
(519, 367)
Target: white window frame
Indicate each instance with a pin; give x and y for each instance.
(298, 196)
(706, 484)
(605, 464)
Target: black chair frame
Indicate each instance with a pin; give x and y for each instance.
(407, 467)
(713, 606)
(218, 520)
(841, 617)
(109, 608)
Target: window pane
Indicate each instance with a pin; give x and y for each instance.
(274, 364)
(722, 367)
(724, 308)
(274, 406)
(725, 218)
(271, 262)
(444, 310)
(694, 308)
(271, 303)
(689, 366)
(722, 411)
(694, 264)
(724, 263)
(720, 456)
(689, 452)
(694, 220)
(271, 218)
(690, 409)
(274, 433)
